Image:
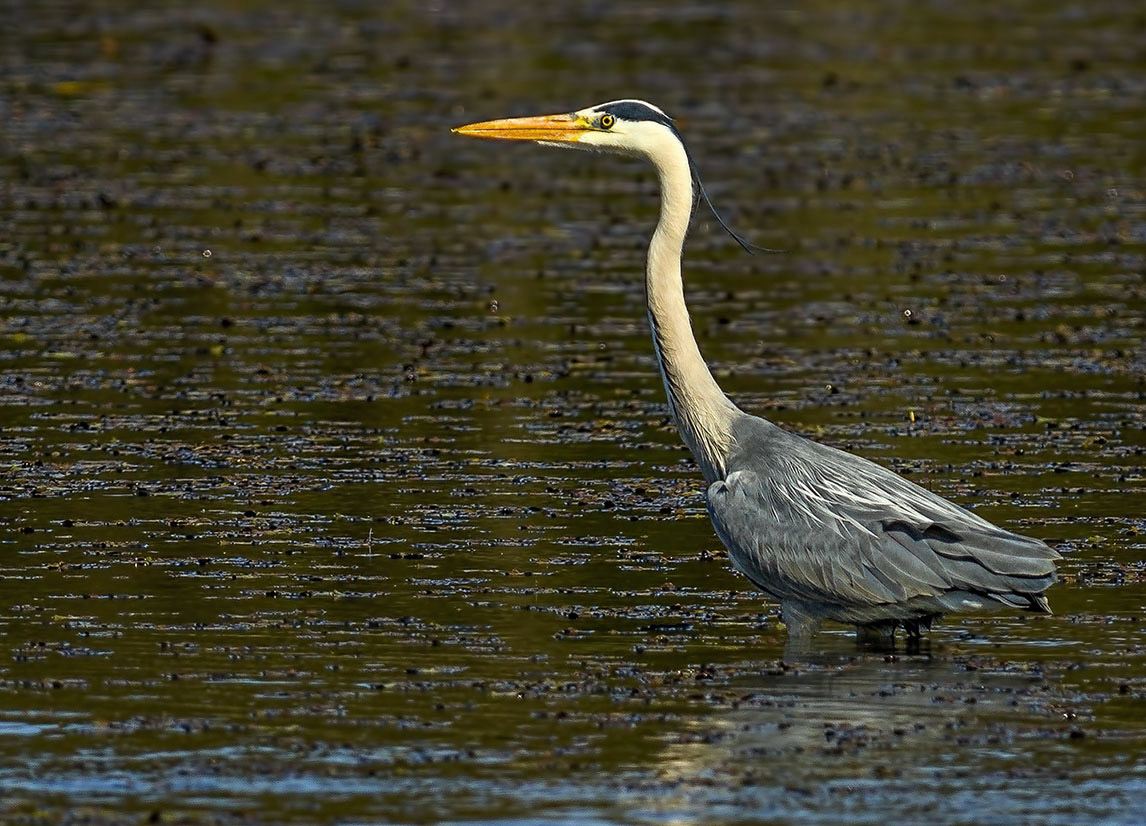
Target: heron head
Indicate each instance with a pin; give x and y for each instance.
(623, 127)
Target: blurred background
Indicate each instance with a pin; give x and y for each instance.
(338, 481)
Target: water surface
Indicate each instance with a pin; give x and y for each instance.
(339, 485)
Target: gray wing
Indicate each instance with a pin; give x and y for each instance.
(858, 543)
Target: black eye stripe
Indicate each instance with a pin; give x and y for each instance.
(636, 111)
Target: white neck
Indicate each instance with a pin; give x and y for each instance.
(702, 412)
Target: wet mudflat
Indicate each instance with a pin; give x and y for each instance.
(338, 483)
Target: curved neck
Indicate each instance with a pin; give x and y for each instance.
(702, 412)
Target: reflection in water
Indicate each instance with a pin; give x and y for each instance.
(873, 736)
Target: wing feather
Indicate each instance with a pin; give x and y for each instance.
(834, 531)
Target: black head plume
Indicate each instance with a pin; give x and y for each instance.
(745, 244)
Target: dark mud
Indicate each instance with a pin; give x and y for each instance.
(338, 483)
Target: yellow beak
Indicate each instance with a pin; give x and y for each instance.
(556, 128)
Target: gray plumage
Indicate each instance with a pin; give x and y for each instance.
(834, 536)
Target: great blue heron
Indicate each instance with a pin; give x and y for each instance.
(828, 534)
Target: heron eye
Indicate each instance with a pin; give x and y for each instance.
(607, 121)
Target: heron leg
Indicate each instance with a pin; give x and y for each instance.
(916, 642)
(880, 636)
(918, 646)
(915, 628)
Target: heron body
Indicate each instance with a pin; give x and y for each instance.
(828, 534)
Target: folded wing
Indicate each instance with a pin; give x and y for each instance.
(859, 543)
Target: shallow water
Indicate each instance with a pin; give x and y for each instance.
(339, 485)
